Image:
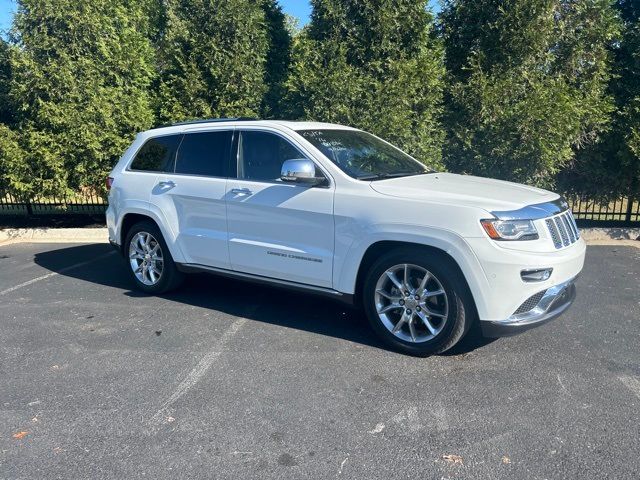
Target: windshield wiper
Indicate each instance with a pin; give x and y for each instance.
(383, 176)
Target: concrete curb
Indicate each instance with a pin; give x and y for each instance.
(53, 235)
(593, 236)
(600, 234)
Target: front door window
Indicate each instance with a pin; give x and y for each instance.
(261, 155)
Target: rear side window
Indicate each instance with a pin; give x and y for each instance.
(205, 153)
(157, 154)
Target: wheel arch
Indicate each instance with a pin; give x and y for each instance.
(133, 216)
(128, 221)
(375, 250)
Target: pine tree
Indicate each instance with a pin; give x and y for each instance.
(212, 59)
(80, 78)
(610, 167)
(10, 152)
(528, 84)
(372, 65)
(278, 59)
(6, 112)
(629, 67)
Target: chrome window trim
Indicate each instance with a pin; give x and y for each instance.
(534, 212)
(181, 133)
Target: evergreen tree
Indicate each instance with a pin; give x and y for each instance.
(610, 167)
(80, 78)
(277, 60)
(372, 65)
(5, 78)
(11, 156)
(212, 59)
(15, 174)
(629, 61)
(292, 24)
(528, 84)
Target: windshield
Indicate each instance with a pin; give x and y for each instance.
(361, 155)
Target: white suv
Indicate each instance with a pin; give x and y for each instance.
(337, 211)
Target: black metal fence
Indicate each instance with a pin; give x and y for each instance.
(623, 211)
(620, 212)
(80, 204)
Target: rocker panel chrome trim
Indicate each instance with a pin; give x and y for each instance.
(276, 282)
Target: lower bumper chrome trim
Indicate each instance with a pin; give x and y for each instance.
(553, 303)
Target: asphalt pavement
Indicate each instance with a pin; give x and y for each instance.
(229, 380)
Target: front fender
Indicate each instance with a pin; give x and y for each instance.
(348, 260)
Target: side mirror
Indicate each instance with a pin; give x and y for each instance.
(300, 170)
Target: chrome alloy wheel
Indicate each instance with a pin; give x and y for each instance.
(145, 257)
(411, 303)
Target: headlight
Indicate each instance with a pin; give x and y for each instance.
(510, 229)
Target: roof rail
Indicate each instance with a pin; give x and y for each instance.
(214, 120)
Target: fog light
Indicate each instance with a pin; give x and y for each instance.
(539, 275)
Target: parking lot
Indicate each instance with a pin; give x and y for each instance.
(224, 379)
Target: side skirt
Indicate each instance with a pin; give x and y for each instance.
(275, 282)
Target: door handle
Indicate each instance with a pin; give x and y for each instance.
(241, 191)
(166, 184)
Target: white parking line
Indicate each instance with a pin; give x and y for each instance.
(198, 371)
(632, 383)
(53, 274)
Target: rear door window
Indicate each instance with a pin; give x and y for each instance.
(157, 154)
(204, 153)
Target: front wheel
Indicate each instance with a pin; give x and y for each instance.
(417, 302)
(150, 263)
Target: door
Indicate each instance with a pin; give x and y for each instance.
(191, 197)
(155, 157)
(277, 229)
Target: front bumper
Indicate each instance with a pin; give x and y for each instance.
(504, 291)
(555, 301)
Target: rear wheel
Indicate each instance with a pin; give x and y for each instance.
(150, 262)
(417, 302)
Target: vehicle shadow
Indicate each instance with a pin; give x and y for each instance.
(272, 305)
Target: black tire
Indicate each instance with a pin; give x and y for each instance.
(461, 310)
(170, 277)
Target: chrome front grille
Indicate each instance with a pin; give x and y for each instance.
(563, 229)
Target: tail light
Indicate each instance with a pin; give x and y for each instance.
(109, 182)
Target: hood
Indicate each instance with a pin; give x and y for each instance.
(488, 194)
